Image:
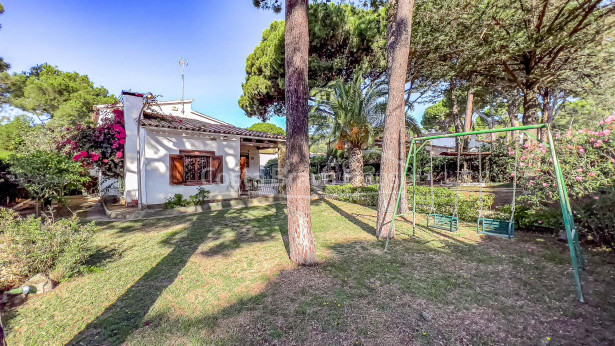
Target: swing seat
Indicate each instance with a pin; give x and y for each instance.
(443, 222)
(498, 228)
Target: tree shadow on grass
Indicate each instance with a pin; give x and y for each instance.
(356, 297)
(440, 233)
(230, 227)
(101, 256)
(367, 228)
(252, 231)
(126, 314)
(283, 226)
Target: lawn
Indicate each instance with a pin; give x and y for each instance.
(224, 278)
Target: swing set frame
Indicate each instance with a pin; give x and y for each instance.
(417, 144)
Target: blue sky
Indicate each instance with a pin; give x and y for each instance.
(136, 45)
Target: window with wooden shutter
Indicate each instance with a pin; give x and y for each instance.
(195, 168)
(176, 169)
(217, 168)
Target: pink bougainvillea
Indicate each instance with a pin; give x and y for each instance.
(100, 146)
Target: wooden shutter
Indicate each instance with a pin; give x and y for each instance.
(176, 169)
(217, 168)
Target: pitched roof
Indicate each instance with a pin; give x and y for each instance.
(152, 118)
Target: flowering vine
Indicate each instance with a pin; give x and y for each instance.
(100, 146)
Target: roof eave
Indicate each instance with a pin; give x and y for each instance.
(215, 133)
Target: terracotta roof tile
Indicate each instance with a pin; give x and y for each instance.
(156, 119)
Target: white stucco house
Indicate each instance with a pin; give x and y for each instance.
(173, 149)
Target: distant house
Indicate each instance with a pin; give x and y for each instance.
(442, 146)
(181, 150)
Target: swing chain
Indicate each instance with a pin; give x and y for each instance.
(480, 179)
(513, 205)
(455, 212)
(433, 208)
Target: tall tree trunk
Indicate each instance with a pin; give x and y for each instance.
(531, 106)
(467, 122)
(356, 166)
(300, 234)
(455, 112)
(513, 112)
(394, 140)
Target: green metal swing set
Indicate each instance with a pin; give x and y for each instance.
(497, 227)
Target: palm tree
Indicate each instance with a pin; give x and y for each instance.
(349, 114)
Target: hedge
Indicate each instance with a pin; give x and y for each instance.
(444, 199)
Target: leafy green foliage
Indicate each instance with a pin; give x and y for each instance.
(47, 174)
(317, 163)
(586, 113)
(100, 146)
(444, 202)
(438, 117)
(274, 5)
(66, 97)
(14, 133)
(363, 195)
(342, 37)
(268, 128)
(349, 113)
(444, 199)
(547, 46)
(30, 246)
(588, 168)
(201, 197)
(178, 200)
(372, 156)
(369, 169)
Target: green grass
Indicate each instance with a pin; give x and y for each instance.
(224, 278)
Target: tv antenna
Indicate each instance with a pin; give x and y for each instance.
(183, 63)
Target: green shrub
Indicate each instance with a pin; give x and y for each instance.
(178, 200)
(588, 170)
(444, 199)
(366, 195)
(369, 170)
(201, 197)
(29, 246)
(444, 202)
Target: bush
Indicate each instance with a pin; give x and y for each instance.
(588, 167)
(369, 170)
(30, 246)
(365, 195)
(178, 200)
(47, 174)
(444, 199)
(444, 202)
(317, 163)
(201, 197)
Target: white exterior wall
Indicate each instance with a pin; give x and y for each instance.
(161, 143)
(132, 108)
(174, 108)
